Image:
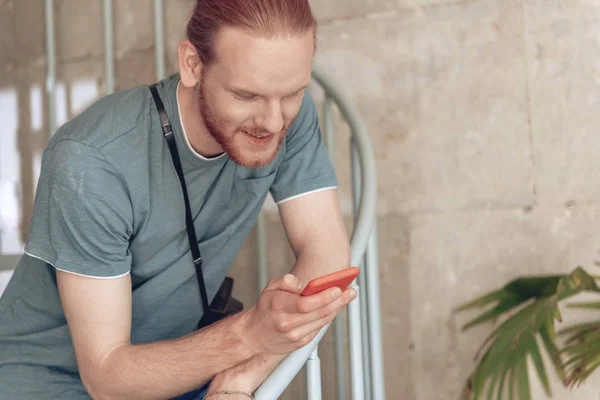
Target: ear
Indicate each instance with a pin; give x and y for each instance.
(190, 66)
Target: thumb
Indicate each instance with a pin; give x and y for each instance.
(287, 283)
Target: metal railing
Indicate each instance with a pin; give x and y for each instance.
(364, 315)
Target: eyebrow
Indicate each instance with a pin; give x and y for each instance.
(251, 93)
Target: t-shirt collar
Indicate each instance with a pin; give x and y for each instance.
(181, 137)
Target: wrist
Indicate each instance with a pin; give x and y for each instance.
(241, 330)
(228, 380)
(228, 395)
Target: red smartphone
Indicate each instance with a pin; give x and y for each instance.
(341, 279)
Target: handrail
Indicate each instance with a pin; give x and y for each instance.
(50, 65)
(109, 64)
(338, 322)
(159, 38)
(365, 219)
(281, 377)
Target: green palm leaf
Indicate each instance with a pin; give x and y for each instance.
(512, 295)
(582, 347)
(532, 307)
(582, 351)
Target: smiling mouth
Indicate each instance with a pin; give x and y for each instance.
(257, 135)
(252, 134)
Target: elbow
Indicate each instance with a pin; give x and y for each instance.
(101, 384)
(98, 389)
(93, 386)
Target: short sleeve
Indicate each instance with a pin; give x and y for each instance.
(82, 219)
(305, 166)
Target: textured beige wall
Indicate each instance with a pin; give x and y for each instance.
(483, 116)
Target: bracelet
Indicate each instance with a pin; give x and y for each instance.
(250, 395)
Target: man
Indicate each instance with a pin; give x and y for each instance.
(105, 301)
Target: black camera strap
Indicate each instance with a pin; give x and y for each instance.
(189, 222)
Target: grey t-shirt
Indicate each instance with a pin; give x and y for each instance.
(109, 203)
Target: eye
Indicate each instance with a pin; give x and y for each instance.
(291, 96)
(245, 96)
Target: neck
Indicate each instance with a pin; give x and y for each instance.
(193, 126)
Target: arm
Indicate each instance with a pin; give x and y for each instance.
(99, 318)
(98, 312)
(316, 231)
(318, 237)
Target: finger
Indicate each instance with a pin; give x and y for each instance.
(306, 332)
(291, 284)
(333, 307)
(297, 321)
(308, 304)
(288, 283)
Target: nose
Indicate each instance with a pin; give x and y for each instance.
(271, 119)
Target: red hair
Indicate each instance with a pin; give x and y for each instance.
(266, 18)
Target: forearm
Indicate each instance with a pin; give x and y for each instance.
(169, 368)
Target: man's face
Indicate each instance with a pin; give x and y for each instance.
(253, 91)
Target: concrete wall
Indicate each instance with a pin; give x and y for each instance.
(483, 116)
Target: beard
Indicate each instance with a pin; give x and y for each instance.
(216, 129)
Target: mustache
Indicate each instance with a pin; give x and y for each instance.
(262, 132)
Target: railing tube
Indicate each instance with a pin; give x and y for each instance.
(374, 318)
(261, 252)
(51, 65)
(159, 39)
(338, 323)
(313, 376)
(279, 379)
(109, 68)
(356, 189)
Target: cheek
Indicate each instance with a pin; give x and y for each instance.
(232, 115)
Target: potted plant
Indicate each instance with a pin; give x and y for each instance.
(527, 311)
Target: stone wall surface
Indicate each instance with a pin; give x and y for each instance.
(483, 119)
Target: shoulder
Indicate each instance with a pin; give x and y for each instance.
(107, 119)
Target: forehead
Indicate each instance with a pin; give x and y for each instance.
(266, 65)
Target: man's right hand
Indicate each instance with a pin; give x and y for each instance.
(283, 321)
